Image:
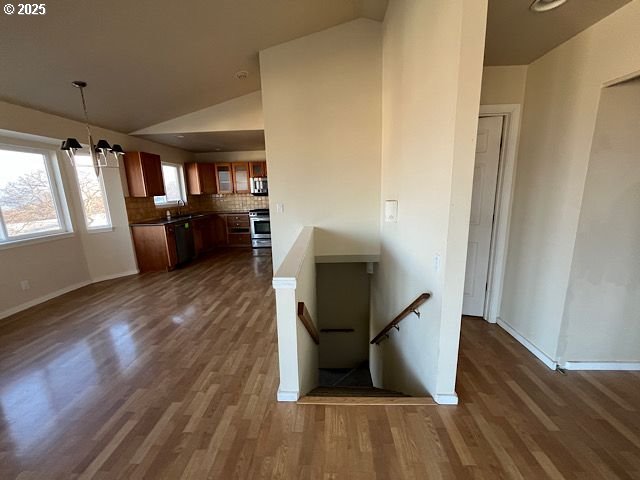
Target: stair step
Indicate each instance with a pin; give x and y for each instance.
(359, 401)
(357, 391)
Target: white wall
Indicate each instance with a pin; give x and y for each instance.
(85, 257)
(561, 102)
(343, 293)
(503, 85)
(241, 113)
(295, 281)
(321, 100)
(432, 68)
(602, 311)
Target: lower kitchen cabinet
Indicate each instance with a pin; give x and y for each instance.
(238, 230)
(155, 247)
(163, 246)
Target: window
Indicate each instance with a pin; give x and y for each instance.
(30, 200)
(92, 194)
(173, 185)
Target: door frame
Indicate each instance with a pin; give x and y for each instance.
(504, 201)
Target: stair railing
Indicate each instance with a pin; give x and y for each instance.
(413, 308)
(307, 321)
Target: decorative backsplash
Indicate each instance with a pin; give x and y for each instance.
(143, 208)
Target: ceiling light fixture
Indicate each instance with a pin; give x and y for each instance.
(101, 150)
(540, 6)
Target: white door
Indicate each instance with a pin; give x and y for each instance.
(485, 181)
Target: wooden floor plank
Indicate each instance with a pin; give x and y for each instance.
(174, 375)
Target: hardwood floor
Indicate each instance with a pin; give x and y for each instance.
(174, 375)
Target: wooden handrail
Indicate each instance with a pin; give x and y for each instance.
(394, 323)
(305, 318)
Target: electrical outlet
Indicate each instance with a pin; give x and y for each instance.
(25, 285)
(280, 207)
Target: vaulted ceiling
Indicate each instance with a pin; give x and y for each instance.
(152, 60)
(147, 61)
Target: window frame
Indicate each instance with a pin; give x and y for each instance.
(54, 176)
(101, 228)
(181, 181)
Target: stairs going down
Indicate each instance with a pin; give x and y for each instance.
(355, 387)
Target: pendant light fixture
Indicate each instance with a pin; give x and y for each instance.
(101, 151)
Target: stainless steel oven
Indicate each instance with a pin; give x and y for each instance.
(260, 228)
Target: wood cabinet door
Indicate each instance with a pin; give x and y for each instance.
(208, 177)
(258, 169)
(152, 174)
(224, 177)
(219, 230)
(192, 172)
(172, 254)
(241, 177)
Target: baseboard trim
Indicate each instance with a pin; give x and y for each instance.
(288, 396)
(611, 366)
(42, 299)
(446, 398)
(539, 354)
(104, 278)
(50, 296)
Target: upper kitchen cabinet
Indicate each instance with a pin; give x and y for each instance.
(224, 177)
(201, 178)
(258, 169)
(144, 174)
(241, 177)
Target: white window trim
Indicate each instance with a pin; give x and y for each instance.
(52, 169)
(183, 189)
(103, 228)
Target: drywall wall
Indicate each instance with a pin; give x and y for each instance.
(241, 113)
(429, 129)
(295, 281)
(85, 257)
(343, 302)
(239, 156)
(503, 85)
(561, 102)
(602, 312)
(321, 100)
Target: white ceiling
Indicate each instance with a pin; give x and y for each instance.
(517, 36)
(148, 61)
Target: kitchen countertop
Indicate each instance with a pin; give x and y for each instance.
(182, 218)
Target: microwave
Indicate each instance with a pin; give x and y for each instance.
(259, 186)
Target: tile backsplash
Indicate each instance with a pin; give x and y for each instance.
(143, 208)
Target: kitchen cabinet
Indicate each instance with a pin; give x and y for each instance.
(241, 177)
(155, 247)
(224, 177)
(209, 232)
(201, 178)
(238, 230)
(144, 174)
(257, 169)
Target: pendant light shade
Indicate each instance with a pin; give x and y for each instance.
(103, 145)
(70, 144)
(117, 149)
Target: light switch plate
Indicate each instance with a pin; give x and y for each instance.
(391, 211)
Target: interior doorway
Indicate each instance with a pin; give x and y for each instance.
(494, 174)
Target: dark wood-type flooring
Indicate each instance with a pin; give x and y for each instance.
(174, 376)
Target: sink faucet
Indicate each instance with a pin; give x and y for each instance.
(180, 204)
